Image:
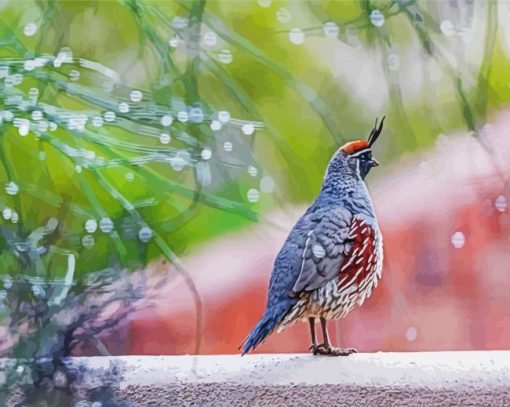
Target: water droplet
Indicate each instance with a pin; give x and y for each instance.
(78, 168)
(40, 61)
(458, 240)
(501, 203)
(51, 225)
(166, 120)
(264, 3)
(7, 282)
(11, 188)
(97, 121)
(87, 242)
(178, 163)
(91, 226)
(42, 126)
(78, 122)
(253, 195)
(53, 126)
(14, 217)
(7, 115)
(96, 404)
(184, 154)
(106, 225)
(296, 36)
(109, 116)
(411, 334)
(29, 65)
(22, 246)
(252, 171)
(196, 115)
(210, 39)
(267, 184)
(7, 213)
(24, 128)
(89, 154)
(447, 28)
(42, 155)
(206, 154)
(331, 29)
(123, 107)
(215, 125)
(130, 177)
(283, 15)
(66, 54)
(136, 96)
(393, 62)
(74, 75)
(37, 115)
(182, 116)
(377, 18)
(248, 129)
(318, 251)
(33, 93)
(38, 290)
(174, 42)
(20, 369)
(227, 146)
(225, 56)
(145, 234)
(223, 116)
(164, 138)
(30, 29)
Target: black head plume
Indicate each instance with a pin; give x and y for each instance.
(375, 133)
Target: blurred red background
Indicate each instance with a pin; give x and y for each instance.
(446, 274)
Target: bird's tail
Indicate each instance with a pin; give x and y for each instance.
(264, 327)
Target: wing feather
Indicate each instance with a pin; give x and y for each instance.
(325, 248)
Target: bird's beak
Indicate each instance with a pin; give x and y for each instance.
(374, 163)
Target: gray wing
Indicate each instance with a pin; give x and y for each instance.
(325, 248)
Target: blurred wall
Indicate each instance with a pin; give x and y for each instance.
(446, 273)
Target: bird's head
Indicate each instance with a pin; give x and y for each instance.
(356, 156)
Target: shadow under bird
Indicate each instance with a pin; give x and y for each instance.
(332, 258)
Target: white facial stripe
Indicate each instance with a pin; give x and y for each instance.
(360, 152)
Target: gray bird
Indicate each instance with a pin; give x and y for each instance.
(332, 258)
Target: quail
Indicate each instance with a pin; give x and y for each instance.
(332, 258)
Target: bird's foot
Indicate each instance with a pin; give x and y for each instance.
(330, 351)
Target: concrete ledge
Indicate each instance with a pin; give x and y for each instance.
(380, 379)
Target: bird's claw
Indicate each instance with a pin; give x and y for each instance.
(329, 351)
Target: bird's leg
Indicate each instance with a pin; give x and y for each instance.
(326, 349)
(313, 346)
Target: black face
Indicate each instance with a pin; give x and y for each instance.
(366, 162)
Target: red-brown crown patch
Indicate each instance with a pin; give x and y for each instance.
(354, 146)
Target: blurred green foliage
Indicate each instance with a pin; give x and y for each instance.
(295, 90)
